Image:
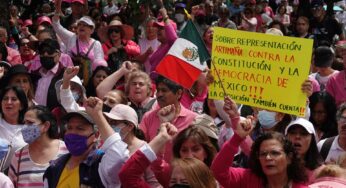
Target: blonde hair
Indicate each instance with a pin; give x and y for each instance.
(196, 172)
(136, 74)
(332, 171)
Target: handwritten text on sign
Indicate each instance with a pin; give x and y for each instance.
(261, 70)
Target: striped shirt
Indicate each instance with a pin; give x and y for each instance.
(30, 173)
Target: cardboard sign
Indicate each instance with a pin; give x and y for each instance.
(261, 70)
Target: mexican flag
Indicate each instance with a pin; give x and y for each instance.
(182, 63)
(191, 34)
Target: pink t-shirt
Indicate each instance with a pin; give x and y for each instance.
(151, 123)
(336, 87)
(194, 104)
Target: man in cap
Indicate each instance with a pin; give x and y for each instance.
(323, 27)
(170, 110)
(86, 166)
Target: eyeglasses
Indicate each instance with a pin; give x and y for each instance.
(272, 154)
(24, 44)
(116, 30)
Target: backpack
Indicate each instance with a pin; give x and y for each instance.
(326, 147)
(84, 63)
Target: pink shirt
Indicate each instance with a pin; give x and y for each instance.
(64, 59)
(13, 56)
(336, 86)
(194, 104)
(162, 50)
(230, 177)
(43, 85)
(151, 123)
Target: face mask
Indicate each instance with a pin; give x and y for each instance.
(200, 20)
(47, 62)
(179, 17)
(76, 96)
(267, 119)
(76, 144)
(31, 133)
(118, 129)
(106, 108)
(180, 186)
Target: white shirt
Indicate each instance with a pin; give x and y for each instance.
(334, 152)
(111, 10)
(13, 135)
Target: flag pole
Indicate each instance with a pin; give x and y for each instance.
(218, 76)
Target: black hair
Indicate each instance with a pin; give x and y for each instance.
(282, 26)
(170, 84)
(49, 45)
(313, 158)
(90, 88)
(3, 51)
(43, 114)
(329, 127)
(295, 170)
(48, 30)
(21, 97)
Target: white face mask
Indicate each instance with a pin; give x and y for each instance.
(179, 17)
(267, 119)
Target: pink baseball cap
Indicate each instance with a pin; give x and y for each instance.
(44, 19)
(162, 24)
(78, 1)
(123, 113)
(27, 22)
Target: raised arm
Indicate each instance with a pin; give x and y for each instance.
(108, 83)
(226, 175)
(66, 96)
(131, 172)
(64, 34)
(115, 149)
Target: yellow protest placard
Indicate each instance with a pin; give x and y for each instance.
(261, 70)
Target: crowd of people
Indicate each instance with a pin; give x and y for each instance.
(83, 106)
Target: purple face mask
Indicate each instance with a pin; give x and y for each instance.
(76, 144)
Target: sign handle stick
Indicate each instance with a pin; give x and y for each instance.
(218, 76)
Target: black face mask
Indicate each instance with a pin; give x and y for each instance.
(106, 108)
(47, 62)
(180, 186)
(200, 20)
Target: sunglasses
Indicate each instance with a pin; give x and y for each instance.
(116, 30)
(24, 44)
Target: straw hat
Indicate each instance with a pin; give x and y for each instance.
(128, 31)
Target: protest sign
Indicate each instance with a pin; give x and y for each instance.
(261, 70)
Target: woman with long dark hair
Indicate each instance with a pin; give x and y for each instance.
(323, 111)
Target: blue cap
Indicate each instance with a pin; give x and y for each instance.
(181, 5)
